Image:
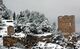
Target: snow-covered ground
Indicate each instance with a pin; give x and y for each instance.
(8, 22)
(15, 48)
(44, 45)
(5, 23)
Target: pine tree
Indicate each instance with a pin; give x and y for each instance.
(14, 15)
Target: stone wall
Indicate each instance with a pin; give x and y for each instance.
(66, 24)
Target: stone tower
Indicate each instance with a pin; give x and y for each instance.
(66, 24)
(10, 30)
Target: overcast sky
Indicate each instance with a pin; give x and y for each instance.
(51, 8)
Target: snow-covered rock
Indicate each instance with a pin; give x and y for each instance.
(19, 35)
(41, 44)
(39, 35)
(78, 44)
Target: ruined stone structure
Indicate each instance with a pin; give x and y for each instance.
(66, 24)
(10, 30)
(9, 41)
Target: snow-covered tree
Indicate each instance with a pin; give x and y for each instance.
(54, 27)
(38, 22)
(14, 16)
(6, 14)
(44, 26)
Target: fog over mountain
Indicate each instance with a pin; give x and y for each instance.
(51, 8)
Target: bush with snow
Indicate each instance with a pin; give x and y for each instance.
(38, 23)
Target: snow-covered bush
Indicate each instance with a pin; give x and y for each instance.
(38, 23)
(7, 14)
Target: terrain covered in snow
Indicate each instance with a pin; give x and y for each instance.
(35, 24)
